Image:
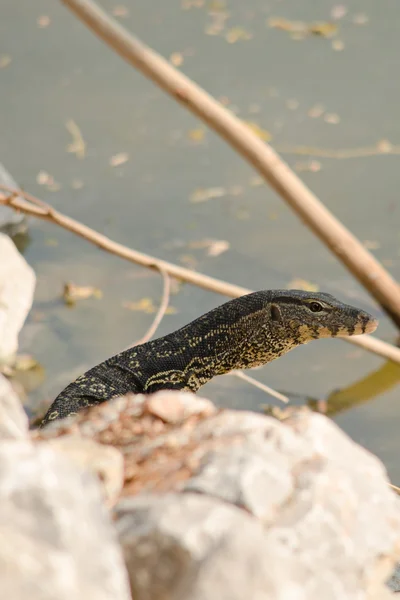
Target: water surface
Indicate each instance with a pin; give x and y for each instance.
(60, 71)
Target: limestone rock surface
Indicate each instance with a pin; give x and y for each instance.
(11, 222)
(232, 504)
(13, 419)
(56, 539)
(17, 286)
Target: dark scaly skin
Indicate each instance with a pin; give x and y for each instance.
(246, 332)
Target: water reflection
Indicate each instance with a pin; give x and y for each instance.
(363, 390)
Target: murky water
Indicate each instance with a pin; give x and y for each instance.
(60, 72)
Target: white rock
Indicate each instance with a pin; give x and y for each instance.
(56, 538)
(17, 286)
(315, 518)
(13, 419)
(11, 221)
(105, 462)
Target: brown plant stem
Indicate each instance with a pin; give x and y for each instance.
(161, 310)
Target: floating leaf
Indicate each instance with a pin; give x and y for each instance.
(384, 146)
(312, 165)
(197, 135)
(25, 362)
(176, 59)
(119, 159)
(371, 244)
(202, 195)
(338, 45)
(78, 145)
(339, 11)
(43, 21)
(324, 29)
(144, 305)
(302, 284)
(51, 242)
(25, 374)
(332, 118)
(5, 60)
(120, 11)
(300, 29)
(73, 292)
(316, 111)
(44, 178)
(213, 247)
(263, 134)
(237, 34)
(360, 19)
(218, 247)
(147, 306)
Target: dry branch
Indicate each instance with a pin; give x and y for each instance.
(161, 311)
(260, 386)
(275, 171)
(35, 207)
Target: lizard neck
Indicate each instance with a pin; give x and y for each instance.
(214, 344)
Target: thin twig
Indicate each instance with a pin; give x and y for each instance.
(395, 488)
(340, 154)
(212, 284)
(364, 266)
(161, 311)
(260, 386)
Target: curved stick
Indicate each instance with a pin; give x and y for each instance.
(161, 310)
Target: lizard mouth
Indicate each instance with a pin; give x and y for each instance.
(366, 324)
(371, 325)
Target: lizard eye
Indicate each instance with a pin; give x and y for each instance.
(316, 307)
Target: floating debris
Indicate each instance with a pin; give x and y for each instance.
(176, 59)
(72, 293)
(371, 244)
(360, 19)
(78, 145)
(147, 306)
(5, 60)
(44, 178)
(263, 134)
(237, 34)
(339, 11)
(316, 111)
(197, 135)
(203, 195)
(332, 118)
(120, 11)
(43, 21)
(300, 29)
(312, 165)
(119, 159)
(213, 247)
(338, 45)
(302, 284)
